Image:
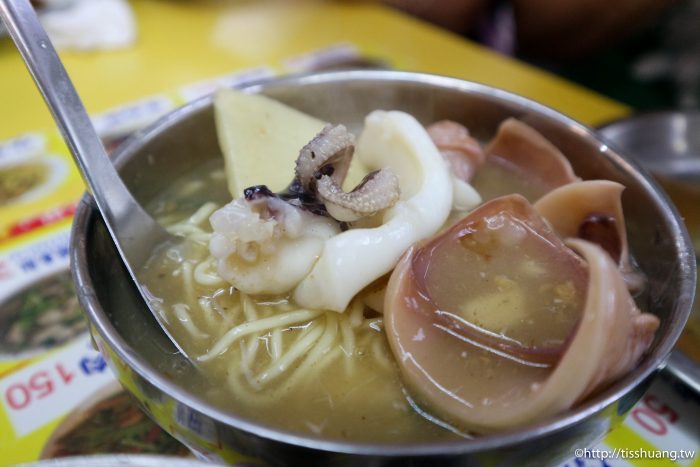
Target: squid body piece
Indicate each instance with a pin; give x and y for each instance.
(356, 257)
(592, 210)
(463, 155)
(265, 245)
(458, 342)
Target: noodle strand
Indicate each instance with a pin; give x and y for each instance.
(250, 327)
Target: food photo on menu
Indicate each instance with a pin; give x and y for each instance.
(391, 232)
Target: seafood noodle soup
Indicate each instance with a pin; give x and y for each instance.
(349, 390)
(407, 284)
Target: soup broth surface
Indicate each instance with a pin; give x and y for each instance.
(352, 392)
(332, 374)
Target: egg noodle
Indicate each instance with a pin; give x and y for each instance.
(264, 342)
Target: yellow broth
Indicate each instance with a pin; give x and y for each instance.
(353, 395)
(353, 391)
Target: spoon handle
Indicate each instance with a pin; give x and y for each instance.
(125, 218)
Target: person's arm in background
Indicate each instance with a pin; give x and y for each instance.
(567, 29)
(459, 16)
(548, 29)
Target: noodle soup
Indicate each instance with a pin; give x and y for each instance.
(323, 373)
(415, 306)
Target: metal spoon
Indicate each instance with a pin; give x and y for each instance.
(133, 230)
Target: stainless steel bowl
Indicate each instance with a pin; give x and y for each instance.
(148, 365)
(667, 143)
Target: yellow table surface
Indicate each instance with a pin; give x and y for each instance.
(181, 42)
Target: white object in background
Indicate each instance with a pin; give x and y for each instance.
(90, 25)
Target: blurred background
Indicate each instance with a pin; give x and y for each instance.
(645, 53)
